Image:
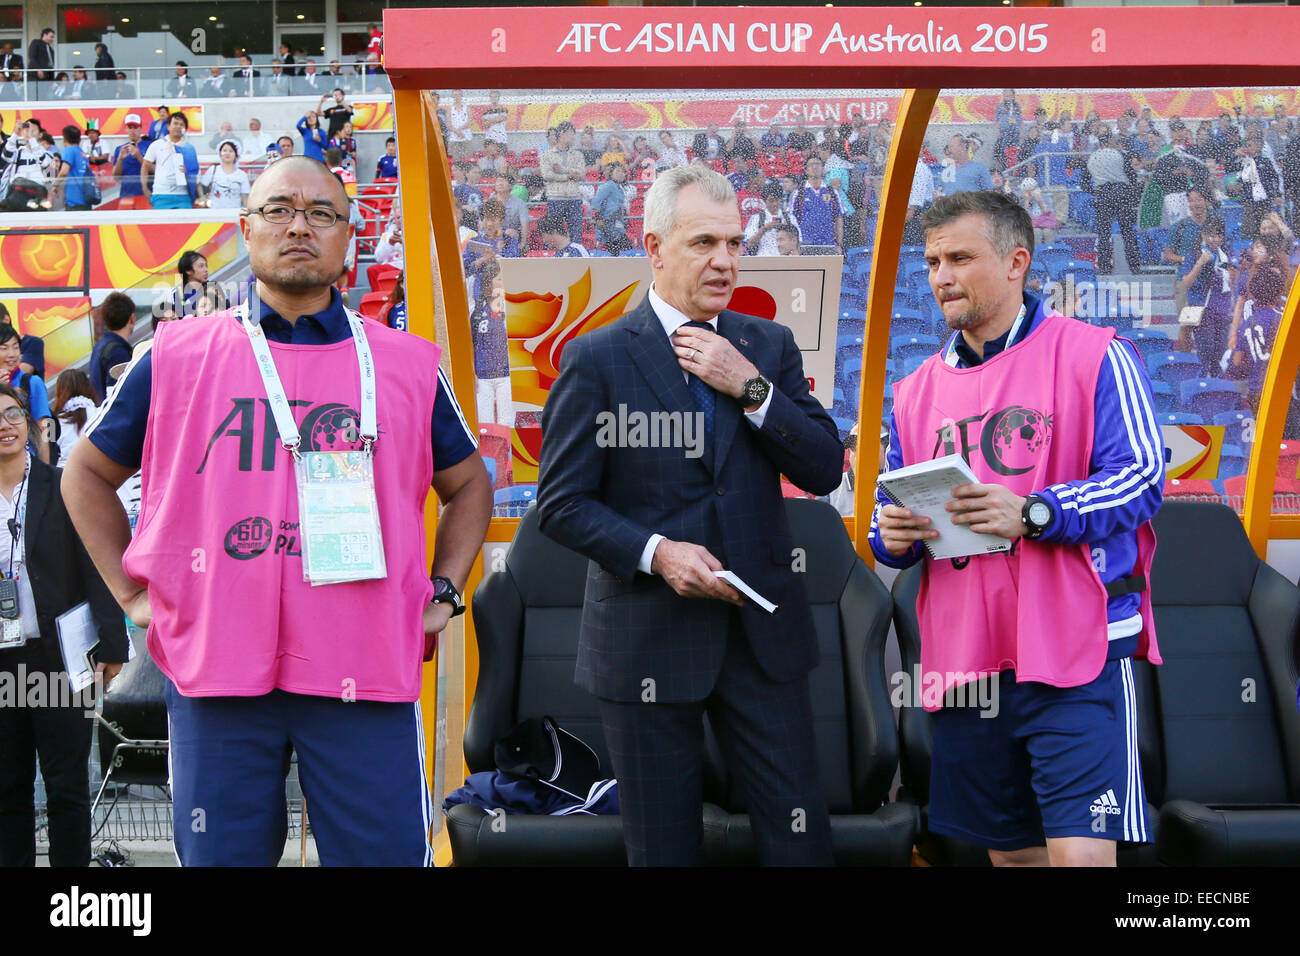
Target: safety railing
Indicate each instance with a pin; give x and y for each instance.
(166, 83)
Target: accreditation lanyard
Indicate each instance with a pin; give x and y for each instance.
(338, 511)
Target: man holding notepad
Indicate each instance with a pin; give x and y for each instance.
(1054, 419)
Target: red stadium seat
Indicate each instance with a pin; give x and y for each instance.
(1188, 487)
(382, 277)
(372, 304)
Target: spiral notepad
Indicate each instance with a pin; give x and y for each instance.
(924, 489)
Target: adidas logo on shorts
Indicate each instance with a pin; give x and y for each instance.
(1106, 803)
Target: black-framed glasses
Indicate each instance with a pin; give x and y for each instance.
(282, 214)
(14, 415)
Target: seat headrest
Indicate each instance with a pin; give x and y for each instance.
(1202, 555)
(817, 528)
(548, 574)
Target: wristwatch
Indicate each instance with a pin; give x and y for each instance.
(755, 391)
(444, 590)
(1037, 515)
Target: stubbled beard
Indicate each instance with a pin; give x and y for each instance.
(969, 319)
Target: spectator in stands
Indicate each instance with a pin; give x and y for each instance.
(460, 137)
(614, 151)
(555, 236)
(334, 160)
(173, 165)
(286, 58)
(336, 114)
(314, 140)
(761, 230)
(59, 90)
(118, 314)
(10, 90)
(790, 191)
(773, 141)
(280, 83)
(641, 162)
(591, 153)
(25, 157)
(517, 221)
(966, 174)
(491, 162)
(40, 63)
(740, 148)
(491, 361)
(1008, 116)
(73, 175)
(1185, 234)
(283, 148)
(80, 88)
(494, 120)
(31, 347)
(788, 241)
(30, 386)
(224, 185)
(1041, 211)
(224, 132)
(127, 159)
(609, 210)
(94, 147)
(311, 83)
(564, 169)
(800, 140)
(120, 89)
(346, 144)
(817, 208)
(1115, 201)
(158, 128)
(182, 84)
(490, 244)
(918, 201)
(670, 154)
(215, 85)
(389, 251)
(1260, 185)
(1251, 337)
(247, 80)
(749, 195)
(11, 64)
(194, 285)
(386, 168)
(1206, 280)
(74, 401)
(1274, 225)
(709, 144)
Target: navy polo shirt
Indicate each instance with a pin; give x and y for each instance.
(119, 431)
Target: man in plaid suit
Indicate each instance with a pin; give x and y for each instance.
(658, 510)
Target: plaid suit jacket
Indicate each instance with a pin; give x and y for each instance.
(639, 640)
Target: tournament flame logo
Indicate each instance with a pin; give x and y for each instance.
(538, 327)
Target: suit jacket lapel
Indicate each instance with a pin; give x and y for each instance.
(727, 415)
(38, 498)
(654, 356)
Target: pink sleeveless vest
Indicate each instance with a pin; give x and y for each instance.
(217, 541)
(1023, 419)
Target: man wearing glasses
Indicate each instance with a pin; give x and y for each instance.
(231, 433)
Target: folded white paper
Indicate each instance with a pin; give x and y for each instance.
(734, 580)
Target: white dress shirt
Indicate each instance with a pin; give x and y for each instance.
(672, 319)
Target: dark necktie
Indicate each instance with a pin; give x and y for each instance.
(705, 398)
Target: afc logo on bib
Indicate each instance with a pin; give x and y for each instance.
(1010, 441)
(328, 426)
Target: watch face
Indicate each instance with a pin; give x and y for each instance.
(1040, 514)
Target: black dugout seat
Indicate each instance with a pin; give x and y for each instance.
(1225, 697)
(857, 742)
(526, 617)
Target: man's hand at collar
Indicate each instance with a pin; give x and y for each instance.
(713, 359)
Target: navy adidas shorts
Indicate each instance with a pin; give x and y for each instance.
(1054, 762)
(360, 764)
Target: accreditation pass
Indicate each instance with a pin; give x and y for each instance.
(338, 517)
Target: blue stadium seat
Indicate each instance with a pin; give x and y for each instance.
(915, 276)
(862, 271)
(911, 252)
(1230, 212)
(597, 253)
(1162, 396)
(1179, 418)
(1239, 426)
(843, 424)
(913, 362)
(514, 501)
(1152, 244)
(1066, 269)
(632, 252)
(1237, 247)
(906, 300)
(907, 346)
(908, 322)
(491, 465)
(1083, 209)
(1038, 271)
(1175, 367)
(852, 374)
(854, 303)
(1148, 343)
(1233, 461)
(855, 253)
(1209, 397)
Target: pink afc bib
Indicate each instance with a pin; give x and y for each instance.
(1023, 419)
(217, 540)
